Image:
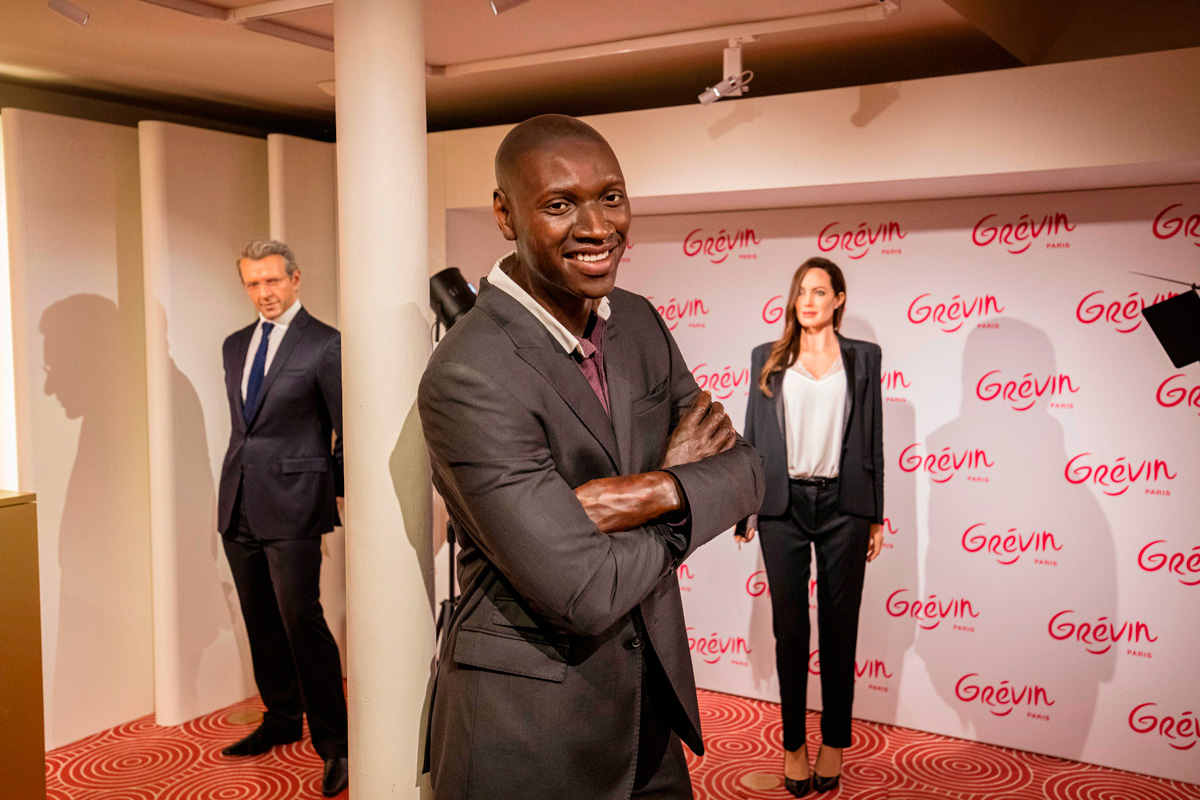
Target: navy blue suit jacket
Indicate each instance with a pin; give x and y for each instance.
(284, 458)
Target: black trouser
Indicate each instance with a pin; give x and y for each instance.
(812, 518)
(661, 772)
(296, 662)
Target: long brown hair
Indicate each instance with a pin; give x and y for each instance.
(785, 351)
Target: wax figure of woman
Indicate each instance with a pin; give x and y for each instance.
(815, 416)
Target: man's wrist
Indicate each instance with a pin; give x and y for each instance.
(671, 501)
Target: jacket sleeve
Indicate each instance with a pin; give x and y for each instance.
(493, 465)
(722, 489)
(877, 432)
(750, 432)
(329, 379)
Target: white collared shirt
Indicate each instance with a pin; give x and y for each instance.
(281, 324)
(814, 410)
(500, 279)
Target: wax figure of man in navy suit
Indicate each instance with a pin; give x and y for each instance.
(281, 475)
(580, 464)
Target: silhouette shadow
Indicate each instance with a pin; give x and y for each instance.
(877, 690)
(208, 613)
(85, 353)
(1026, 492)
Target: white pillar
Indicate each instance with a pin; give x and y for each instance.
(380, 79)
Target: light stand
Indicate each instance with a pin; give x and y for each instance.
(450, 296)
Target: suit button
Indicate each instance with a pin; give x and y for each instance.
(635, 642)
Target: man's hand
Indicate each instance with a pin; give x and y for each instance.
(705, 430)
(629, 501)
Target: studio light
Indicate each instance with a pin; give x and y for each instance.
(737, 80)
(450, 296)
(500, 6)
(68, 10)
(732, 86)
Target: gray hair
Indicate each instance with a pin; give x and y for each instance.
(261, 248)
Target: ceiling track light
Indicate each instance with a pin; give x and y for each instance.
(500, 6)
(736, 81)
(69, 10)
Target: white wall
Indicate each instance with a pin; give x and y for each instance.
(204, 195)
(1088, 124)
(79, 340)
(1128, 121)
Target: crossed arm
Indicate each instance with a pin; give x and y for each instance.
(493, 466)
(626, 502)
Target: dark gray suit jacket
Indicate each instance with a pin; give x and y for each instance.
(860, 471)
(538, 684)
(283, 457)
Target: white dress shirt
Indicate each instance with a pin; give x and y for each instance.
(813, 412)
(281, 324)
(499, 278)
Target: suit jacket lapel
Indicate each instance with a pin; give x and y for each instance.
(618, 373)
(536, 347)
(848, 365)
(239, 367)
(775, 382)
(294, 332)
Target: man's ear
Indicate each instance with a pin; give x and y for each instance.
(500, 210)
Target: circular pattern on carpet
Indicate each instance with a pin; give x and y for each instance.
(132, 762)
(1090, 784)
(963, 767)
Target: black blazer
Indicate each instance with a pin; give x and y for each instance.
(860, 471)
(537, 690)
(283, 458)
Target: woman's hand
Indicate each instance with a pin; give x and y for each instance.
(745, 536)
(876, 542)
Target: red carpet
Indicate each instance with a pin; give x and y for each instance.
(142, 761)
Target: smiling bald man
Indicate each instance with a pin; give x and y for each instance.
(580, 464)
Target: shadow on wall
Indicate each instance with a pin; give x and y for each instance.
(84, 361)
(872, 101)
(205, 597)
(411, 481)
(883, 644)
(1069, 562)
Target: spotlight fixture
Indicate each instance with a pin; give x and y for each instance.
(730, 87)
(69, 10)
(736, 81)
(500, 6)
(450, 296)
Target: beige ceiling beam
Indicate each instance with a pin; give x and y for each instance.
(878, 10)
(254, 18)
(272, 8)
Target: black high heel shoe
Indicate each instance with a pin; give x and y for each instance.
(823, 784)
(798, 787)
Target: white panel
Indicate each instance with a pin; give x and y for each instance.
(8, 410)
(303, 188)
(79, 339)
(303, 185)
(204, 195)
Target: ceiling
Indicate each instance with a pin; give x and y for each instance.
(137, 52)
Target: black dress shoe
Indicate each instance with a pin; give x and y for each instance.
(260, 740)
(337, 776)
(823, 785)
(798, 788)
